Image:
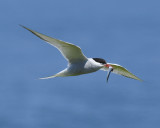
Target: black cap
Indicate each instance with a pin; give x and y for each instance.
(99, 60)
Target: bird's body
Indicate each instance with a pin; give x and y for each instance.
(84, 67)
(79, 68)
(78, 63)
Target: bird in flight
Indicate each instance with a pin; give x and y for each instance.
(78, 63)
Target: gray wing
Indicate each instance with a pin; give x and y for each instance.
(71, 52)
(118, 69)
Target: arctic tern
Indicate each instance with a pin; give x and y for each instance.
(78, 63)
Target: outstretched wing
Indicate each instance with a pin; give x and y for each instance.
(71, 52)
(118, 69)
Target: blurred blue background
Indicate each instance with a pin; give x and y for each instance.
(120, 31)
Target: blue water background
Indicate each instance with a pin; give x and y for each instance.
(120, 31)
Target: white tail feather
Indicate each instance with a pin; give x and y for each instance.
(48, 77)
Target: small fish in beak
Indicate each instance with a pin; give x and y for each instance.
(110, 69)
(109, 72)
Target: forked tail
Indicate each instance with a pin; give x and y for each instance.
(61, 73)
(48, 77)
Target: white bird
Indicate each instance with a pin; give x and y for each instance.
(78, 63)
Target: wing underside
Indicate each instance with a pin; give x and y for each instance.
(118, 69)
(71, 52)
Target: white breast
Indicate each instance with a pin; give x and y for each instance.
(83, 67)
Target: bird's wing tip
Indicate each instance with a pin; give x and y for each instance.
(25, 27)
(22, 26)
(140, 80)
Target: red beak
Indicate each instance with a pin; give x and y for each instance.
(107, 65)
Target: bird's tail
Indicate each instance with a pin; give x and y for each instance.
(48, 77)
(62, 73)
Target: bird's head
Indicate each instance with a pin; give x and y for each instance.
(104, 63)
